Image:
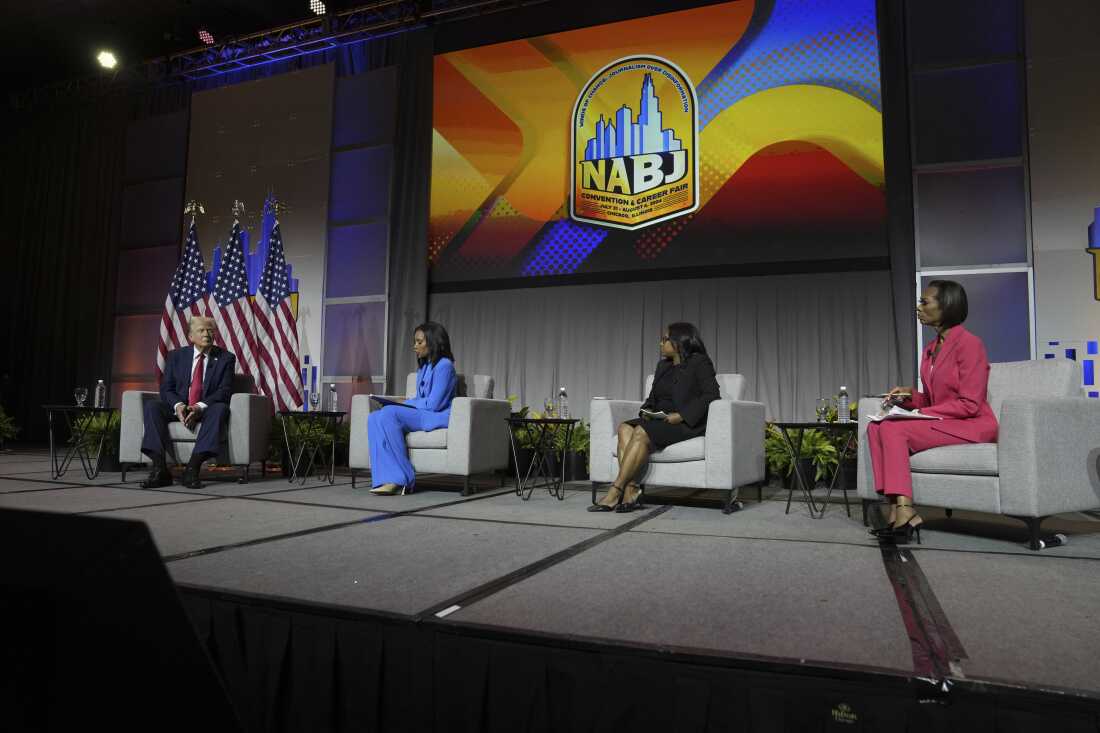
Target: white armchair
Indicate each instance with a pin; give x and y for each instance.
(1044, 461)
(246, 432)
(475, 441)
(729, 456)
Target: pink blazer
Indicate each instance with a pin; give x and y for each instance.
(956, 386)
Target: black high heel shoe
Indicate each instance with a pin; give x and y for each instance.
(902, 535)
(609, 507)
(631, 505)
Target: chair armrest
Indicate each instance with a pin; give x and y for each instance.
(734, 443)
(132, 425)
(250, 418)
(1047, 455)
(865, 479)
(477, 435)
(606, 416)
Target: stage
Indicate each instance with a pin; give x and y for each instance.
(327, 608)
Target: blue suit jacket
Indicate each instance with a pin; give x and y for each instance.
(436, 385)
(217, 385)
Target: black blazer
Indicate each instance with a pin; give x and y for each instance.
(693, 387)
(217, 385)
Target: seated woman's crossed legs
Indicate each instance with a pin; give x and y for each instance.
(634, 447)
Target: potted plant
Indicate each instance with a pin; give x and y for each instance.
(576, 453)
(104, 426)
(525, 440)
(817, 455)
(776, 456)
(8, 428)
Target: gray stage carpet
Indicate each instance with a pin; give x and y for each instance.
(678, 575)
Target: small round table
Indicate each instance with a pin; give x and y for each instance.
(314, 431)
(545, 431)
(794, 449)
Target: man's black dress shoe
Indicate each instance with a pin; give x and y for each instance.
(190, 479)
(157, 479)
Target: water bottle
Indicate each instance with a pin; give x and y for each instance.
(563, 404)
(100, 394)
(332, 397)
(842, 413)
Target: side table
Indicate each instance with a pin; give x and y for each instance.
(313, 432)
(545, 430)
(79, 419)
(793, 433)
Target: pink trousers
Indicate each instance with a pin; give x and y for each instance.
(892, 442)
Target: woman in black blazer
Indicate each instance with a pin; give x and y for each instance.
(683, 388)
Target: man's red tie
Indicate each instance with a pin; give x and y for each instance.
(195, 393)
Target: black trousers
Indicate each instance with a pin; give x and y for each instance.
(212, 426)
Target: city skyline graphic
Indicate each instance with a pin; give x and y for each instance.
(624, 136)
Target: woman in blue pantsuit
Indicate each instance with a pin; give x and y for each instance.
(436, 382)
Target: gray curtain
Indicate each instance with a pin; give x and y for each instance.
(794, 337)
(408, 278)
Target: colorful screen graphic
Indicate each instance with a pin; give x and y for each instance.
(743, 132)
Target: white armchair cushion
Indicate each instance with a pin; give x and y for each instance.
(971, 459)
(430, 439)
(692, 449)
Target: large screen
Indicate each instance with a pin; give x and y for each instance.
(736, 133)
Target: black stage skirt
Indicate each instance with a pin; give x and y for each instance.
(663, 434)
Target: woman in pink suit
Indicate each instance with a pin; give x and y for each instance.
(955, 374)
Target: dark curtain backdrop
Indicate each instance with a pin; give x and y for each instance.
(899, 181)
(60, 199)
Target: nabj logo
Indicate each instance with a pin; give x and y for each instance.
(631, 170)
(843, 713)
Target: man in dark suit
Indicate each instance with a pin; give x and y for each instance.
(197, 385)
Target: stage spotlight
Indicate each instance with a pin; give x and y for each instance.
(317, 7)
(107, 60)
(206, 37)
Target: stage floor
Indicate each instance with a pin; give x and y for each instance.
(678, 576)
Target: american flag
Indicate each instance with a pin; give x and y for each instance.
(186, 298)
(231, 307)
(277, 330)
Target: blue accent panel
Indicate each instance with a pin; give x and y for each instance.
(819, 42)
(1053, 343)
(1094, 395)
(357, 260)
(981, 106)
(1091, 347)
(1048, 356)
(1090, 374)
(355, 334)
(363, 108)
(360, 184)
(1071, 354)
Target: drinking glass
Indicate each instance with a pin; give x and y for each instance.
(81, 394)
(548, 407)
(315, 399)
(822, 408)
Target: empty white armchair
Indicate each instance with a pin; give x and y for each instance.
(730, 455)
(1044, 461)
(245, 435)
(474, 441)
